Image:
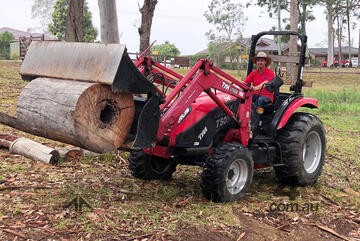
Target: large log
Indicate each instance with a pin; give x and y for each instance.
(86, 115)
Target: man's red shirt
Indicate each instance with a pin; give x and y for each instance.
(256, 78)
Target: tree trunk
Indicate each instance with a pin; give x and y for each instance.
(86, 115)
(279, 27)
(303, 19)
(359, 51)
(348, 25)
(74, 21)
(108, 22)
(147, 13)
(339, 40)
(330, 54)
(294, 19)
(229, 46)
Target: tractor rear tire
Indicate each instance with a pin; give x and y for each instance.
(303, 146)
(149, 167)
(228, 173)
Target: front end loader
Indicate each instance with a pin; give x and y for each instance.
(202, 118)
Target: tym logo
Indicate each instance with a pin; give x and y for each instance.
(235, 91)
(225, 86)
(202, 134)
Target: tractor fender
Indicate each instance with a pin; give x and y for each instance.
(293, 106)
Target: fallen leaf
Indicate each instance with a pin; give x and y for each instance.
(213, 229)
(241, 236)
(341, 195)
(182, 203)
(351, 191)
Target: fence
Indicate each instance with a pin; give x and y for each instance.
(26, 41)
(170, 61)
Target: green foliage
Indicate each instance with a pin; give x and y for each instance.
(228, 18)
(304, 8)
(345, 100)
(166, 49)
(59, 16)
(219, 51)
(6, 37)
(5, 40)
(194, 58)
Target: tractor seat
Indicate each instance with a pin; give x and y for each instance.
(273, 87)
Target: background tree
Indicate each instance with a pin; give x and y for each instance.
(59, 16)
(166, 49)
(5, 40)
(352, 8)
(330, 13)
(329, 18)
(147, 14)
(74, 29)
(108, 21)
(227, 17)
(304, 8)
(42, 9)
(217, 48)
(294, 20)
(339, 15)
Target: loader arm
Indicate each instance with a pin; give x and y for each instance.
(203, 77)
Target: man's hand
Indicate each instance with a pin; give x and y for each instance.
(259, 86)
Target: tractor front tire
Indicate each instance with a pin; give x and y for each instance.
(303, 146)
(228, 173)
(149, 167)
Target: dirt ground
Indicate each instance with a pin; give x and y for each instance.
(34, 197)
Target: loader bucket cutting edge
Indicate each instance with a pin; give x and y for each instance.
(101, 63)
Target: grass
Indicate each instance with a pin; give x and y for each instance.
(343, 100)
(152, 209)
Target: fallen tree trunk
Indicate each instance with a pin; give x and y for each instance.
(86, 115)
(34, 151)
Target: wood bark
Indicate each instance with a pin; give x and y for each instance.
(86, 115)
(34, 151)
(108, 22)
(147, 13)
(330, 53)
(294, 19)
(339, 33)
(359, 50)
(348, 28)
(74, 22)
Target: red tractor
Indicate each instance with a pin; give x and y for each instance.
(202, 118)
(205, 121)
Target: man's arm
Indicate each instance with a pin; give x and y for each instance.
(255, 88)
(249, 79)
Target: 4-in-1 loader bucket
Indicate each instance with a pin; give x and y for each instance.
(107, 64)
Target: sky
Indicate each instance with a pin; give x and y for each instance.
(181, 22)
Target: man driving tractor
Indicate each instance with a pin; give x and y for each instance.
(259, 77)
